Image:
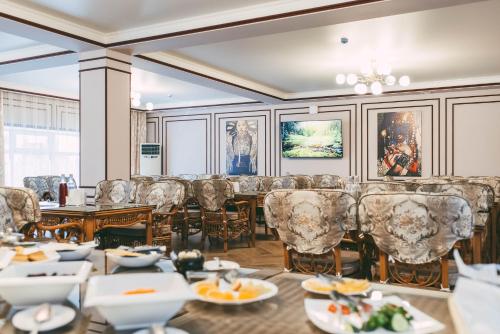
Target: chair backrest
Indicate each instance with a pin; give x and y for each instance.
(492, 181)
(212, 194)
(190, 177)
(268, 183)
(328, 181)
(135, 181)
(481, 197)
(20, 205)
(188, 187)
(310, 221)
(415, 228)
(38, 184)
(247, 183)
(381, 186)
(112, 192)
(303, 181)
(164, 195)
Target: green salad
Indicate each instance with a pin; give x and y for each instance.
(391, 317)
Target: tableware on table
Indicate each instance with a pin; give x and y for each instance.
(20, 288)
(318, 312)
(70, 251)
(348, 287)
(250, 290)
(188, 260)
(6, 256)
(129, 301)
(60, 316)
(214, 265)
(167, 330)
(132, 259)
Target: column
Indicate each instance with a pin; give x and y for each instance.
(104, 116)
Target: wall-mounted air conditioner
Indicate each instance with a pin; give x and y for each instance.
(150, 159)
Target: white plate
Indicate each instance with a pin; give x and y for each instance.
(305, 286)
(317, 312)
(61, 315)
(135, 261)
(169, 330)
(224, 265)
(273, 291)
(70, 252)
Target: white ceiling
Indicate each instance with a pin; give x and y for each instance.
(434, 45)
(160, 90)
(112, 15)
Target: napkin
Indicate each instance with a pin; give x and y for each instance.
(76, 197)
(481, 272)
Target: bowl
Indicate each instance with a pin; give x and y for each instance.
(184, 264)
(129, 311)
(19, 290)
(70, 252)
(145, 260)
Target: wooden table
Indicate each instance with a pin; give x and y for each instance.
(251, 198)
(96, 217)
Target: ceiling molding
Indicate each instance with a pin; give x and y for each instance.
(21, 89)
(229, 102)
(34, 57)
(38, 62)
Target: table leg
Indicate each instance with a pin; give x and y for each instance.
(89, 227)
(476, 247)
(149, 229)
(253, 218)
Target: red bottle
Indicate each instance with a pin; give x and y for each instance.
(63, 191)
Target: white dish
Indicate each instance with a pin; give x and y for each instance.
(52, 256)
(305, 285)
(169, 330)
(106, 294)
(317, 311)
(6, 256)
(21, 291)
(70, 252)
(145, 260)
(224, 265)
(60, 316)
(272, 291)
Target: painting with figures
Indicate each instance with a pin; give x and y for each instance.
(241, 147)
(399, 145)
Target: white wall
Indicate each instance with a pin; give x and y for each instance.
(460, 134)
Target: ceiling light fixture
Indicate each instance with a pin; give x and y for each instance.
(373, 75)
(149, 106)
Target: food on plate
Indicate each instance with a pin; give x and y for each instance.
(390, 317)
(348, 286)
(189, 254)
(31, 257)
(238, 291)
(123, 252)
(47, 274)
(139, 291)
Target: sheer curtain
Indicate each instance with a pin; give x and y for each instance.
(2, 143)
(41, 136)
(137, 137)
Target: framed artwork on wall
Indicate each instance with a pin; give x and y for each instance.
(399, 144)
(241, 147)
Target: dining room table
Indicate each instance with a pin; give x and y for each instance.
(95, 217)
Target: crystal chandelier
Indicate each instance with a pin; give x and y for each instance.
(374, 76)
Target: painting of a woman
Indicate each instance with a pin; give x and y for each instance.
(241, 147)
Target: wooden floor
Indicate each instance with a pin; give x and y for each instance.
(267, 252)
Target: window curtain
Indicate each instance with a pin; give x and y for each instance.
(2, 143)
(40, 136)
(137, 137)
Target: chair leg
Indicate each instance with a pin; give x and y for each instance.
(476, 247)
(287, 257)
(384, 267)
(338, 260)
(444, 273)
(225, 236)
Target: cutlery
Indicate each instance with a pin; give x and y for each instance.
(230, 276)
(329, 278)
(42, 314)
(217, 262)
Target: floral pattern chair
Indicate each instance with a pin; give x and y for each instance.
(135, 181)
(47, 184)
(213, 196)
(311, 224)
(112, 192)
(304, 181)
(481, 199)
(382, 186)
(269, 183)
(327, 181)
(38, 184)
(19, 208)
(248, 183)
(417, 231)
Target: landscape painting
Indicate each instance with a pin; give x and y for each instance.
(399, 145)
(312, 139)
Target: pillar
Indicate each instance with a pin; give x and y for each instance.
(104, 116)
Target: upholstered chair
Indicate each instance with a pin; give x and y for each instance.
(135, 181)
(382, 186)
(112, 192)
(269, 183)
(416, 231)
(304, 181)
(311, 225)
(247, 183)
(189, 177)
(37, 184)
(213, 195)
(53, 182)
(20, 207)
(328, 181)
(481, 199)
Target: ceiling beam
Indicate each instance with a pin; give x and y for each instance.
(39, 62)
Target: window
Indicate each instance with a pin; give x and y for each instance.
(41, 137)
